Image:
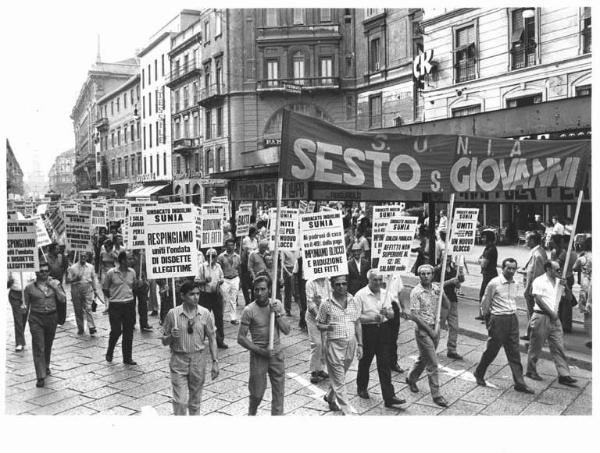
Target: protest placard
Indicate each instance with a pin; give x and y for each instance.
(98, 213)
(22, 251)
(43, 238)
(116, 210)
(136, 238)
(57, 221)
(69, 206)
(223, 200)
(242, 219)
(323, 246)
(397, 241)
(381, 215)
(288, 229)
(302, 206)
(170, 240)
(462, 237)
(77, 231)
(211, 225)
(85, 206)
(311, 207)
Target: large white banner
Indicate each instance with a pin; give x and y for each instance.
(242, 219)
(77, 231)
(462, 236)
(397, 241)
(323, 246)
(288, 229)
(211, 225)
(22, 250)
(170, 240)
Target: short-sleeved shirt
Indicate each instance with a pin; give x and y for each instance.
(543, 287)
(87, 273)
(201, 323)
(216, 274)
(257, 319)
(230, 264)
(342, 320)
(490, 253)
(317, 287)
(370, 303)
(119, 285)
(423, 302)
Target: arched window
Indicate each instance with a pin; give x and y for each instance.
(220, 159)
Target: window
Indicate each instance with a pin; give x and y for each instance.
(125, 100)
(164, 130)
(157, 165)
(195, 93)
(164, 163)
(119, 168)
(326, 65)
(149, 104)
(206, 31)
(139, 163)
(524, 101)
(464, 54)
(195, 125)
(210, 161)
(155, 70)
(185, 97)
(149, 76)
(151, 165)
(219, 121)
(144, 140)
(197, 162)
(145, 168)
(464, 111)
(157, 133)
(149, 135)
(137, 92)
(186, 126)
(132, 165)
(271, 17)
(143, 106)
(112, 107)
(112, 139)
(125, 167)
(298, 16)
(586, 31)
(162, 64)
(349, 107)
(272, 73)
(124, 134)
(375, 111)
(132, 133)
(218, 74)
(137, 126)
(373, 11)
(325, 14)
(143, 78)
(221, 159)
(298, 64)
(208, 120)
(156, 100)
(207, 77)
(585, 90)
(118, 136)
(176, 95)
(374, 58)
(186, 64)
(218, 24)
(112, 163)
(523, 42)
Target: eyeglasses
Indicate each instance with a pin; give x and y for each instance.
(340, 284)
(190, 328)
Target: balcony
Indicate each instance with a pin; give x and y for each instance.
(267, 35)
(211, 94)
(298, 85)
(183, 73)
(523, 56)
(186, 146)
(101, 124)
(187, 174)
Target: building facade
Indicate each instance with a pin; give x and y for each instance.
(102, 78)
(14, 175)
(118, 137)
(61, 179)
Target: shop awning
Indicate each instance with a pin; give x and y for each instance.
(145, 191)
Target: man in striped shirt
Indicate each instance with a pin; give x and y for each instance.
(499, 301)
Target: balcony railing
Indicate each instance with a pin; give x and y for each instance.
(186, 70)
(186, 174)
(211, 93)
(523, 56)
(315, 31)
(101, 123)
(185, 145)
(299, 85)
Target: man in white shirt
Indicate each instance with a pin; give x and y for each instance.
(499, 301)
(375, 312)
(395, 286)
(19, 311)
(317, 291)
(84, 287)
(210, 278)
(558, 227)
(545, 324)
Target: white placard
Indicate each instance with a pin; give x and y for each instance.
(43, 239)
(302, 206)
(288, 229)
(242, 219)
(464, 225)
(311, 207)
(381, 214)
(98, 214)
(397, 242)
(136, 237)
(223, 200)
(323, 245)
(77, 231)
(211, 225)
(69, 206)
(170, 240)
(57, 221)
(22, 250)
(116, 210)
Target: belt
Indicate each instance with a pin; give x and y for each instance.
(374, 324)
(44, 312)
(539, 311)
(231, 278)
(504, 314)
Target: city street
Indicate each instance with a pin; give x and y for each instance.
(82, 382)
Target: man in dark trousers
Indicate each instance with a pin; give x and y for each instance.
(500, 304)
(357, 270)
(488, 262)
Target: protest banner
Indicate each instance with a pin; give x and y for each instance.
(77, 231)
(302, 207)
(223, 200)
(98, 214)
(323, 246)
(136, 238)
(464, 225)
(170, 230)
(311, 206)
(57, 221)
(22, 250)
(68, 206)
(288, 229)
(116, 210)
(242, 219)
(397, 241)
(43, 238)
(85, 206)
(211, 225)
(381, 214)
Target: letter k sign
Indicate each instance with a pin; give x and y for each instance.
(422, 64)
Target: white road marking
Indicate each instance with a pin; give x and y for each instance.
(317, 392)
(461, 374)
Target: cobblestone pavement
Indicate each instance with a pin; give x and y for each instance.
(83, 383)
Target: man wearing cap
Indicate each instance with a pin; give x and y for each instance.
(357, 270)
(210, 278)
(423, 305)
(230, 263)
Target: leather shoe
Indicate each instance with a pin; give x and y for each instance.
(39, 383)
(534, 376)
(48, 372)
(480, 380)
(524, 389)
(395, 367)
(79, 331)
(222, 345)
(394, 401)
(130, 362)
(479, 318)
(412, 386)
(92, 330)
(363, 394)
(323, 374)
(440, 401)
(314, 377)
(567, 380)
(454, 355)
(147, 329)
(525, 337)
(108, 357)
(332, 404)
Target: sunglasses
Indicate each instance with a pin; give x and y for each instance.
(340, 284)
(190, 327)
